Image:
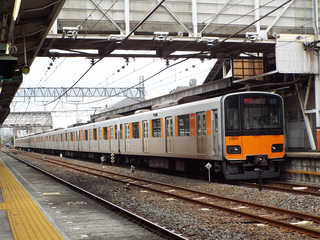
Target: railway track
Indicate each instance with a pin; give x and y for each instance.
(153, 227)
(295, 188)
(253, 211)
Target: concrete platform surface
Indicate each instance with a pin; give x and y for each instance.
(72, 215)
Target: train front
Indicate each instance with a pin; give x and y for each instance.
(253, 135)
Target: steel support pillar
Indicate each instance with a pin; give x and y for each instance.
(305, 116)
(195, 18)
(317, 106)
(315, 16)
(257, 16)
(127, 16)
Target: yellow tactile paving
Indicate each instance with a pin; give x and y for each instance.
(27, 221)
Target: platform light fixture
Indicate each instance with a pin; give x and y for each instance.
(71, 32)
(252, 37)
(118, 38)
(16, 9)
(209, 40)
(160, 36)
(7, 67)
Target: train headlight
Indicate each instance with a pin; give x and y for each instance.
(260, 160)
(277, 148)
(233, 149)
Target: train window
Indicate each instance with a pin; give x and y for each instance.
(115, 131)
(111, 133)
(135, 130)
(263, 114)
(99, 133)
(184, 125)
(204, 124)
(216, 123)
(121, 137)
(94, 134)
(105, 133)
(90, 134)
(232, 113)
(86, 135)
(66, 137)
(156, 127)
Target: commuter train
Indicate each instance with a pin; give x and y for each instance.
(241, 135)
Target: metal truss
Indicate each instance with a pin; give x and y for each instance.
(51, 92)
(41, 119)
(28, 119)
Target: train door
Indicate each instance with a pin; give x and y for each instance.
(126, 137)
(78, 139)
(215, 149)
(99, 138)
(145, 136)
(111, 138)
(169, 135)
(82, 139)
(201, 133)
(90, 138)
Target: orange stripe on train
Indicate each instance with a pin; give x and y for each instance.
(254, 145)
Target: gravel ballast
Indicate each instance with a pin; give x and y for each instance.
(192, 221)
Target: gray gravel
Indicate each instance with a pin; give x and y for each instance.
(193, 222)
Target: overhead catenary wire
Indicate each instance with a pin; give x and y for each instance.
(224, 10)
(95, 101)
(230, 36)
(134, 71)
(244, 16)
(134, 29)
(174, 64)
(81, 39)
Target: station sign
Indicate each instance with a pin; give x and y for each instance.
(7, 67)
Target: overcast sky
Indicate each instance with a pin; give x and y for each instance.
(109, 72)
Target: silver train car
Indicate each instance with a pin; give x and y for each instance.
(239, 134)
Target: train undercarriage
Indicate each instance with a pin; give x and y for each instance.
(230, 169)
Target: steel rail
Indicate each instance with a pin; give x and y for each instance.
(260, 219)
(292, 184)
(280, 210)
(146, 223)
(280, 189)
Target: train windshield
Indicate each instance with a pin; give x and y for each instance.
(253, 114)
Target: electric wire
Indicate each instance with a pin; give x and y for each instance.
(136, 27)
(23, 113)
(134, 71)
(241, 17)
(186, 58)
(175, 63)
(179, 73)
(86, 19)
(82, 40)
(195, 74)
(147, 79)
(116, 95)
(233, 5)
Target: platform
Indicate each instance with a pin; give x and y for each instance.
(301, 167)
(34, 206)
